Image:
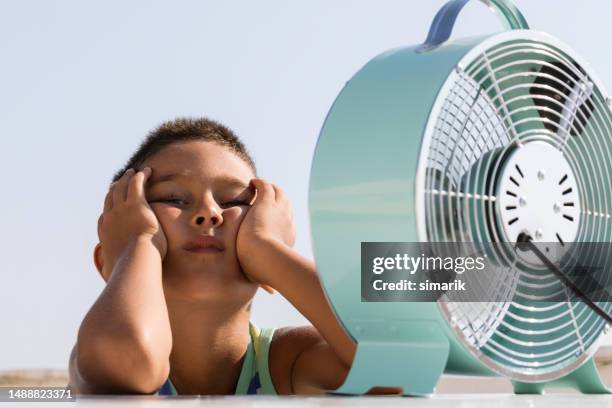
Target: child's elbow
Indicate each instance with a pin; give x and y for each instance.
(105, 366)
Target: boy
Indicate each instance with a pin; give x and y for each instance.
(187, 235)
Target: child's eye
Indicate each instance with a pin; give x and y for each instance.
(234, 203)
(177, 201)
(171, 200)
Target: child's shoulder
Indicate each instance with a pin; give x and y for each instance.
(291, 341)
(288, 344)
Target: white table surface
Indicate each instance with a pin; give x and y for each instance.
(438, 401)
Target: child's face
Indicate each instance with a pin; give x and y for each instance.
(199, 189)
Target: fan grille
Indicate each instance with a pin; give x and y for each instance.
(515, 93)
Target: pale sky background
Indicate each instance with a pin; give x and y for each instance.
(81, 83)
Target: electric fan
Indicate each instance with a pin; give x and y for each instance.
(484, 139)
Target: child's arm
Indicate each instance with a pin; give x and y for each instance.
(124, 341)
(296, 278)
(264, 249)
(309, 360)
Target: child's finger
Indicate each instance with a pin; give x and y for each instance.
(100, 220)
(254, 198)
(108, 200)
(136, 187)
(120, 189)
(279, 194)
(265, 191)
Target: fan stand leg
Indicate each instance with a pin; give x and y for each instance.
(585, 379)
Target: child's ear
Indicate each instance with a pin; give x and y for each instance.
(99, 260)
(268, 289)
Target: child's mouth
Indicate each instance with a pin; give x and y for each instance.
(204, 250)
(204, 244)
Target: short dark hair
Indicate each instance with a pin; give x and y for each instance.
(184, 130)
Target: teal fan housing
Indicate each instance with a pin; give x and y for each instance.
(467, 140)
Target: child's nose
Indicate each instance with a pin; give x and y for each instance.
(208, 214)
(213, 220)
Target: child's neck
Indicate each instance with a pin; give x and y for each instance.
(208, 347)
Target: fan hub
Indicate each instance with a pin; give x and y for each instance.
(538, 195)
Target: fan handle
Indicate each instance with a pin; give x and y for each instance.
(444, 21)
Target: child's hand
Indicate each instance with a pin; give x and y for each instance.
(268, 221)
(127, 217)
